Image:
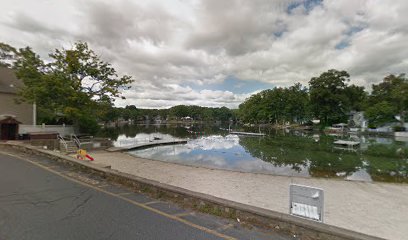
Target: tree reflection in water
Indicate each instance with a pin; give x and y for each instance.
(382, 162)
(297, 151)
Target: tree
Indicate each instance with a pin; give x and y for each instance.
(380, 113)
(88, 74)
(329, 96)
(276, 105)
(179, 111)
(254, 108)
(393, 91)
(222, 114)
(356, 97)
(8, 55)
(297, 103)
(75, 83)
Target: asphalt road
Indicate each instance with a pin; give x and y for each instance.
(40, 199)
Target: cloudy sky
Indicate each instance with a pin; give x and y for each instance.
(218, 52)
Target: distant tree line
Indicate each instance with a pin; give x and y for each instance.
(329, 98)
(176, 113)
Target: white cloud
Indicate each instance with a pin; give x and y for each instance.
(167, 95)
(172, 46)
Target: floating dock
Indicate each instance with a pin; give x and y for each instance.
(347, 143)
(401, 134)
(248, 133)
(145, 145)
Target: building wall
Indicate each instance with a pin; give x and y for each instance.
(23, 111)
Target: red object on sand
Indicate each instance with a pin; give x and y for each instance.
(89, 157)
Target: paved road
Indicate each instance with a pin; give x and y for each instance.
(40, 199)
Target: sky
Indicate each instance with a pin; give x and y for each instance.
(218, 52)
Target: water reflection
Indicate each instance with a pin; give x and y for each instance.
(223, 152)
(293, 154)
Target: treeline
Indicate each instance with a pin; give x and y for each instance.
(176, 113)
(329, 98)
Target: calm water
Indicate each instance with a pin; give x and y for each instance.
(280, 152)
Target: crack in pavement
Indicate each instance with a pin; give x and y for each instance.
(79, 206)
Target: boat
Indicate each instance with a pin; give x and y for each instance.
(336, 128)
(354, 130)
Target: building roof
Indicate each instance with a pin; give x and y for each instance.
(8, 119)
(9, 83)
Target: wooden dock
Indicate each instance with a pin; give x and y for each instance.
(146, 145)
(248, 133)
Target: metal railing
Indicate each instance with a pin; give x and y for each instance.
(76, 140)
(62, 140)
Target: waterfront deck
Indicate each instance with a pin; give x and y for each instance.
(145, 145)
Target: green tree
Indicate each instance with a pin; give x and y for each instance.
(207, 114)
(179, 111)
(393, 90)
(8, 55)
(222, 114)
(380, 113)
(356, 96)
(133, 112)
(87, 73)
(329, 96)
(297, 103)
(276, 105)
(254, 108)
(75, 83)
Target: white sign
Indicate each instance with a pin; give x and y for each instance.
(306, 202)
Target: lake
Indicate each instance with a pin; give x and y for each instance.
(280, 152)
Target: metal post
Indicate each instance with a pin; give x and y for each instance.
(34, 114)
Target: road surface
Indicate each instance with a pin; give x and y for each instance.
(40, 199)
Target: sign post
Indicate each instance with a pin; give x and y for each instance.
(306, 202)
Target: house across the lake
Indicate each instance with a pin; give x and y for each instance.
(12, 113)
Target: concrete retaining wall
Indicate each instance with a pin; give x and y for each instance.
(50, 144)
(266, 219)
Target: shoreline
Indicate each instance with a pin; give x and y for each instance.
(260, 173)
(264, 198)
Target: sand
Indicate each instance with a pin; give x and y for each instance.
(378, 209)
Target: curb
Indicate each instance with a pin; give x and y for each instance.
(250, 215)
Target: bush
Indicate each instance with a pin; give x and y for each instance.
(88, 125)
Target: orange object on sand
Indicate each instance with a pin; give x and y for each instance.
(81, 154)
